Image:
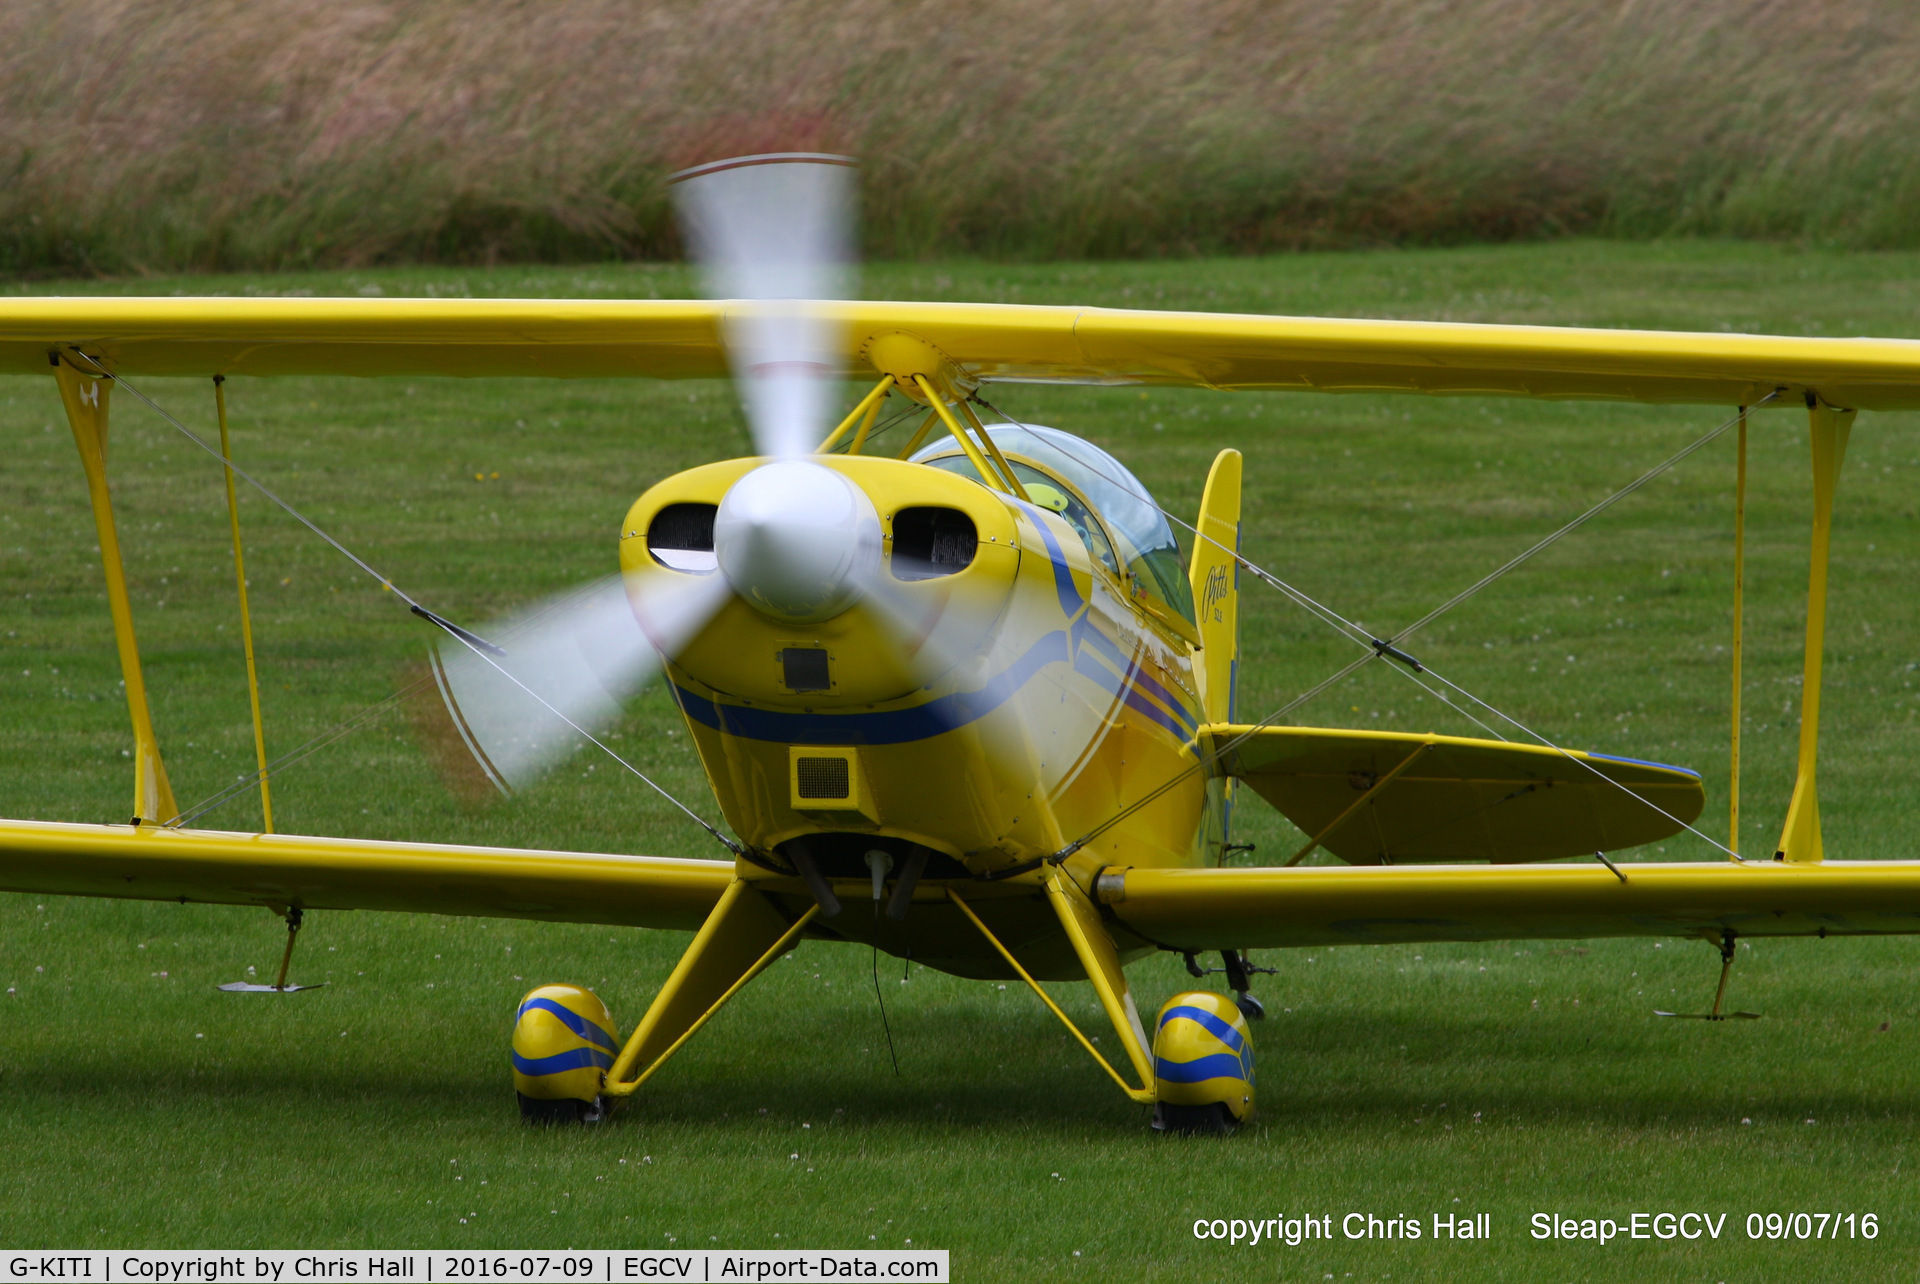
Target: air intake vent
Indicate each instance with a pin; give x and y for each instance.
(931, 542)
(681, 536)
(821, 778)
(804, 668)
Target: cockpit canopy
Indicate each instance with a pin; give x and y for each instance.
(1123, 528)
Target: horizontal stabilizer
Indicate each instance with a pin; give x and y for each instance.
(1377, 797)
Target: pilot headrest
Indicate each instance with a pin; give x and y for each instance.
(1047, 496)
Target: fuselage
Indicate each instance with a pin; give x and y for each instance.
(1005, 680)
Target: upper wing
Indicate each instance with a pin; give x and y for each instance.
(679, 338)
(1379, 797)
(1227, 909)
(278, 870)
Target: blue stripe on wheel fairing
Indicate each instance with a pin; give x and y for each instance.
(582, 1027)
(1220, 1065)
(559, 1062)
(1207, 1021)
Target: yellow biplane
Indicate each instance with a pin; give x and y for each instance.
(966, 702)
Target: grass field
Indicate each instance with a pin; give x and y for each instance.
(138, 1106)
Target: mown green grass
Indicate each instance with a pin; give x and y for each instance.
(142, 1109)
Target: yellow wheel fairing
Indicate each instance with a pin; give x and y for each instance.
(1203, 1054)
(564, 1040)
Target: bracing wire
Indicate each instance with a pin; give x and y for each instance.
(881, 428)
(882, 1000)
(1387, 647)
(247, 477)
(477, 645)
(1546, 743)
(246, 783)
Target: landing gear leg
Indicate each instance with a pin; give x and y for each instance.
(1239, 980)
(1241, 984)
(743, 935)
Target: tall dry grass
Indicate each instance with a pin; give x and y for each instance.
(147, 134)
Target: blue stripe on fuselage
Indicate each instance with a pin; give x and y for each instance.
(883, 727)
(1131, 685)
(1063, 585)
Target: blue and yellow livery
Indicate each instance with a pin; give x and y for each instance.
(1202, 1064)
(564, 1041)
(975, 680)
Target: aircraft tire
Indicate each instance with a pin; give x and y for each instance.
(1213, 1118)
(539, 1113)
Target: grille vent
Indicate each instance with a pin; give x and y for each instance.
(821, 778)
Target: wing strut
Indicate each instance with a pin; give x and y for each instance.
(1739, 633)
(1800, 837)
(86, 397)
(246, 629)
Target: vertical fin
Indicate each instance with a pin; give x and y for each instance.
(1215, 577)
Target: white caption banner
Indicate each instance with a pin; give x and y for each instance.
(515, 1266)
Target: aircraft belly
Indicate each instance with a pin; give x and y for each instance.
(941, 937)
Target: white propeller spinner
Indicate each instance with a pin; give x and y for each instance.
(797, 541)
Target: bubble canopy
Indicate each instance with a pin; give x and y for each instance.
(1142, 539)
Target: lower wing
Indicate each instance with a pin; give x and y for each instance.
(1229, 909)
(280, 870)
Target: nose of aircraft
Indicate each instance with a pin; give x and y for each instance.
(797, 540)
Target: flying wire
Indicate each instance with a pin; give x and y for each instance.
(245, 784)
(472, 642)
(882, 1000)
(881, 428)
(1378, 647)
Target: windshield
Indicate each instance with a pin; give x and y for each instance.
(1146, 545)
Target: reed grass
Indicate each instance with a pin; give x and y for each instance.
(138, 135)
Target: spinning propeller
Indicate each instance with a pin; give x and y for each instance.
(796, 541)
